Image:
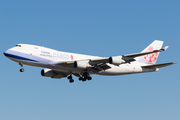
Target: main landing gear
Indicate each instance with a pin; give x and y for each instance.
(70, 79)
(22, 69)
(85, 77)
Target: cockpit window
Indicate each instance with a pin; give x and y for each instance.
(18, 45)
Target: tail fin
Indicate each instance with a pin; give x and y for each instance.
(151, 58)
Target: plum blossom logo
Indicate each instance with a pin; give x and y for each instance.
(151, 57)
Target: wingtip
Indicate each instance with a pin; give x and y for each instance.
(164, 48)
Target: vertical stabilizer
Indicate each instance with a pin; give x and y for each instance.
(151, 58)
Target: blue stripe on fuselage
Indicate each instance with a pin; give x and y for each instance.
(18, 57)
(26, 57)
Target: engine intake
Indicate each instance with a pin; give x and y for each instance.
(81, 64)
(50, 73)
(116, 60)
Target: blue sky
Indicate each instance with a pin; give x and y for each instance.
(100, 28)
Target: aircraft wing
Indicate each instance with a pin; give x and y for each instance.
(92, 61)
(158, 65)
(129, 57)
(145, 53)
(100, 63)
(95, 65)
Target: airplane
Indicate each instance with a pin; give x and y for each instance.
(58, 64)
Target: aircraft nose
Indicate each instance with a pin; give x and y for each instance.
(6, 53)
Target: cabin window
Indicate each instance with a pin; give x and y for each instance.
(18, 45)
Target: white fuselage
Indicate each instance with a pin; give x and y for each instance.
(48, 58)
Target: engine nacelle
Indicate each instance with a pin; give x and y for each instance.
(116, 60)
(50, 73)
(81, 64)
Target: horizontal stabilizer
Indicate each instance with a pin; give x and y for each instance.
(158, 65)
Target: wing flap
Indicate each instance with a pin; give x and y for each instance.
(100, 67)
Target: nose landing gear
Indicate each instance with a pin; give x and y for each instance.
(22, 69)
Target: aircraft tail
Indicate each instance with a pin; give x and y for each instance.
(151, 58)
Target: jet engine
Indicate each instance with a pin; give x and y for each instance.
(81, 64)
(50, 73)
(117, 60)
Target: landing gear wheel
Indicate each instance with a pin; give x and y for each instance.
(86, 76)
(84, 79)
(21, 70)
(71, 80)
(70, 77)
(89, 78)
(80, 78)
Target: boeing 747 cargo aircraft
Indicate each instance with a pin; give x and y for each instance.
(58, 64)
